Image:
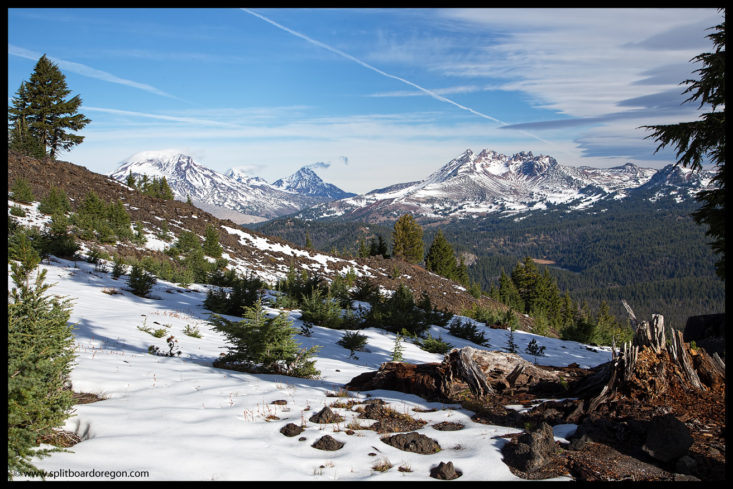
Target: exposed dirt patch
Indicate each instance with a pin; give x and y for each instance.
(413, 442)
(448, 426)
(328, 443)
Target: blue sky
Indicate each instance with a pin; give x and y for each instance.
(369, 96)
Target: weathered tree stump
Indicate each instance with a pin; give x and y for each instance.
(672, 360)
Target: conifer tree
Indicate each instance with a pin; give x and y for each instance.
(130, 180)
(263, 343)
(441, 258)
(211, 244)
(308, 242)
(20, 138)
(40, 357)
(55, 201)
(508, 293)
(704, 138)
(363, 251)
(407, 239)
(47, 114)
(22, 191)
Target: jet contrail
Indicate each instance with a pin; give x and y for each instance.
(384, 73)
(85, 70)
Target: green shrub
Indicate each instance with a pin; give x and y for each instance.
(244, 293)
(432, 314)
(482, 314)
(22, 191)
(397, 313)
(353, 341)
(365, 290)
(468, 331)
(140, 281)
(321, 310)
(534, 349)
(192, 332)
(263, 344)
(17, 211)
(434, 345)
(118, 267)
(40, 357)
(55, 202)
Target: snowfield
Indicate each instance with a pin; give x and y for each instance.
(179, 418)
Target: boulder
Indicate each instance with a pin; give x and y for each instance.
(325, 416)
(445, 472)
(291, 429)
(531, 450)
(667, 438)
(413, 442)
(329, 443)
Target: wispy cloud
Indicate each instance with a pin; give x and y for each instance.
(163, 117)
(87, 71)
(318, 164)
(383, 73)
(623, 53)
(370, 67)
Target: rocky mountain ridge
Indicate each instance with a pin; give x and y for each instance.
(232, 195)
(477, 184)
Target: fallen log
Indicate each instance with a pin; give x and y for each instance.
(477, 372)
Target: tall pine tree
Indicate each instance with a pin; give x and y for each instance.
(42, 113)
(704, 139)
(20, 138)
(441, 257)
(407, 239)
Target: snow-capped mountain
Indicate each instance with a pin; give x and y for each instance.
(488, 182)
(220, 194)
(306, 182)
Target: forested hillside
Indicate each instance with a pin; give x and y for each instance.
(649, 252)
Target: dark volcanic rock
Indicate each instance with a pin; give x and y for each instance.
(413, 442)
(445, 472)
(291, 429)
(708, 331)
(325, 416)
(667, 438)
(448, 426)
(531, 450)
(327, 442)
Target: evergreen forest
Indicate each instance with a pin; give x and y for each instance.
(649, 252)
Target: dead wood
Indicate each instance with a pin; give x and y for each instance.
(671, 361)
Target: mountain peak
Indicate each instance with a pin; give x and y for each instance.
(305, 181)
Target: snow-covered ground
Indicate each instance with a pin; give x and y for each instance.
(179, 418)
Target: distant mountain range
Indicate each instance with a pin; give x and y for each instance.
(476, 184)
(232, 195)
(471, 185)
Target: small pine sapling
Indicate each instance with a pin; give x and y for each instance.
(353, 341)
(534, 349)
(398, 349)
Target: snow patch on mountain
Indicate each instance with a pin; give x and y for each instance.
(489, 182)
(236, 191)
